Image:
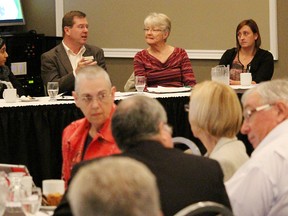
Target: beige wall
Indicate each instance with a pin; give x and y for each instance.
(195, 23)
(120, 69)
(40, 15)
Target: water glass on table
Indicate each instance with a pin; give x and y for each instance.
(31, 203)
(52, 89)
(3, 192)
(140, 83)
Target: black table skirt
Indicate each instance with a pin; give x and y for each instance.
(32, 136)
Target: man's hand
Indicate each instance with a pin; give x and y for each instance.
(84, 62)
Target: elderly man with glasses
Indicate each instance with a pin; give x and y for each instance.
(90, 136)
(260, 186)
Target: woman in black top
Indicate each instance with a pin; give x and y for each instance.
(6, 74)
(248, 56)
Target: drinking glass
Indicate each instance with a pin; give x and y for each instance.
(140, 82)
(52, 89)
(3, 192)
(16, 193)
(31, 204)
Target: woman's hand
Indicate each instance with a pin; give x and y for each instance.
(234, 82)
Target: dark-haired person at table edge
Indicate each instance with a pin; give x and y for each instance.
(6, 74)
(248, 56)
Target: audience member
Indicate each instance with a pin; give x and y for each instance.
(215, 116)
(114, 186)
(248, 57)
(90, 136)
(139, 126)
(259, 187)
(61, 63)
(162, 64)
(5, 74)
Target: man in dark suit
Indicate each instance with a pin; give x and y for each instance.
(61, 63)
(139, 127)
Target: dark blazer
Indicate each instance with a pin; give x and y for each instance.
(56, 66)
(261, 66)
(182, 178)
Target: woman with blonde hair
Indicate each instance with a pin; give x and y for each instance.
(215, 116)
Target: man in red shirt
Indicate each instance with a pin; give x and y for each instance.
(90, 136)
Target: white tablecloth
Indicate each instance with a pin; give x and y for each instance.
(69, 99)
(118, 96)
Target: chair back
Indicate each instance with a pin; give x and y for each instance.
(192, 146)
(203, 208)
(130, 84)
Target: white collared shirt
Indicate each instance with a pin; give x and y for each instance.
(260, 186)
(74, 57)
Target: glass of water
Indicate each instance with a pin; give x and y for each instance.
(140, 83)
(52, 89)
(31, 204)
(3, 192)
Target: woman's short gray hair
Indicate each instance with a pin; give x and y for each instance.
(91, 72)
(158, 19)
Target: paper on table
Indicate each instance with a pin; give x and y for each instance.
(124, 94)
(28, 99)
(161, 89)
(242, 87)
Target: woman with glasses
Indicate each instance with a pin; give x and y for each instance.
(215, 116)
(5, 74)
(248, 57)
(161, 63)
(90, 137)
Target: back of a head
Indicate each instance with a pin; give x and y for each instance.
(114, 186)
(215, 109)
(270, 91)
(91, 72)
(137, 118)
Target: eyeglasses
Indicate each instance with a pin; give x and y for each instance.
(152, 30)
(186, 107)
(248, 113)
(101, 97)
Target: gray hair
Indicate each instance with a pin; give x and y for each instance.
(114, 186)
(137, 118)
(91, 72)
(270, 91)
(159, 20)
